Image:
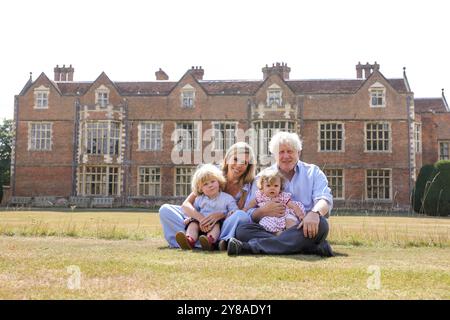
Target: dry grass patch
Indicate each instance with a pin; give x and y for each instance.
(345, 230)
(45, 267)
(42, 268)
(393, 231)
(102, 225)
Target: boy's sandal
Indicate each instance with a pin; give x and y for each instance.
(185, 242)
(207, 242)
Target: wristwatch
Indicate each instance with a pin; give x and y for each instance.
(317, 212)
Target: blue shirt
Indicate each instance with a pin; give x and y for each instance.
(224, 203)
(308, 185)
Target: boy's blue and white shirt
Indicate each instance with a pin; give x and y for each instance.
(224, 203)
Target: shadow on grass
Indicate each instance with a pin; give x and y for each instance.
(299, 256)
(303, 257)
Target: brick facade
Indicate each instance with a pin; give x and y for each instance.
(83, 160)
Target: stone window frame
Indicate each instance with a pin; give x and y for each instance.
(389, 140)
(332, 175)
(39, 137)
(418, 137)
(187, 97)
(41, 95)
(102, 96)
(377, 91)
(103, 175)
(151, 184)
(186, 174)
(377, 178)
(222, 139)
(147, 139)
(442, 156)
(319, 135)
(113, 137)
(194, 138)
(274, 89)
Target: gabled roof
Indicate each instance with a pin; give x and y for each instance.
(188, 74)
(236, 87)
(399, 85)
(422, 105)
(103, 75)
(73, 88)
(30, 83)
(26, 86)
(145, 88)
(323, 86)
(337, 86)
(230, 87)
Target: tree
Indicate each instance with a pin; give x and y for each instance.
(424, 176)
(436, 201)
(6, 140)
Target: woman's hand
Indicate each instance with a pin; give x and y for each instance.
(299, 213)
(207, 223)
(274, 209)
(271, 209)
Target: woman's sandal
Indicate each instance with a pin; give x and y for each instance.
(223, 245)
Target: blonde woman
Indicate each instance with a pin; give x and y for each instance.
(238, 168)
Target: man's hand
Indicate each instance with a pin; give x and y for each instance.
(310, 224)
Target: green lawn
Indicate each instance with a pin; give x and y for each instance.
(122, 255)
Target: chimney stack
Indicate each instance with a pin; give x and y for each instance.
(63, 73)
(197, 72)
(281, 69)
(376, 66)
(359, 69)
(368, 69)
(161, 75)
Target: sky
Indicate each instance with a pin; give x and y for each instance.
(232, 39)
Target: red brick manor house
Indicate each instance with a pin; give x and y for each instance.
(116, 143)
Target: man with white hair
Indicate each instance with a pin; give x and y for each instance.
(307, 184)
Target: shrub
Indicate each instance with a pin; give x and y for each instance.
(418, 192)
(436, 199)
